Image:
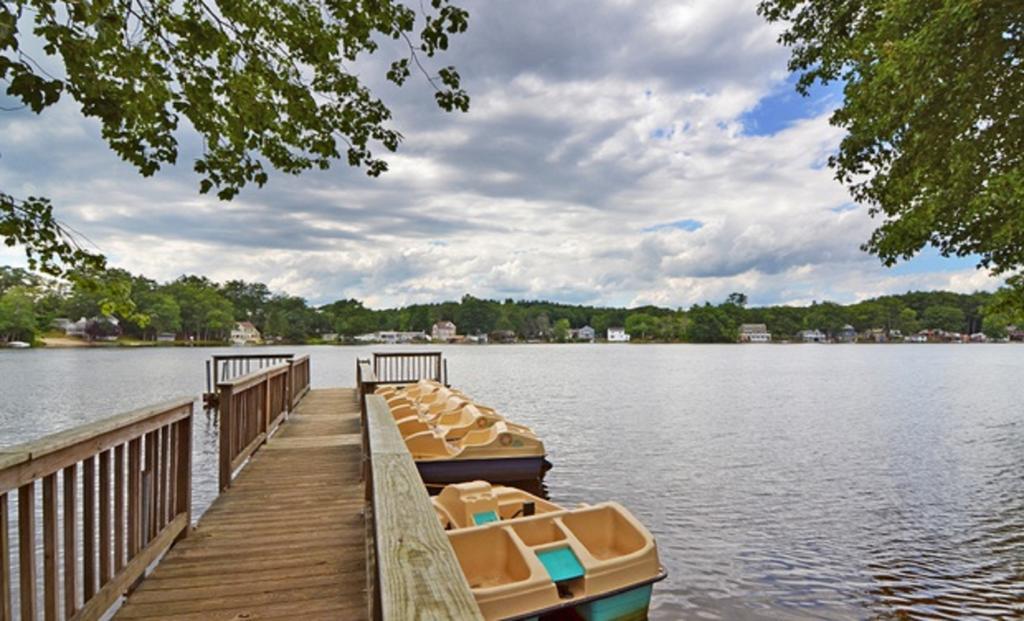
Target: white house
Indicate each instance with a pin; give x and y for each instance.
(76, 328)
(617, 335)
(244, 333)
(812, 336)
(755, 333)
(443, 331)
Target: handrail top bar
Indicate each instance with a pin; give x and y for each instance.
(405, 354)
(244, 381)
(24, 463)
(300, 358)
(34, 449)
(250, 356)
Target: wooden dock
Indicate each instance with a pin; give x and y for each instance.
(287, 540)
(321, 515)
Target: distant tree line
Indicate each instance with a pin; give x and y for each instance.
(196, 308)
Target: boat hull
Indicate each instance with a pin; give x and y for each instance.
(501, 470)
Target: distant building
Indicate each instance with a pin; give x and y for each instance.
(165, 337)
(443, 331)
(755, 333)
(1015, 333)
(875, 335)
(76, 328)
(812, 336)
(244, 333)
(477, 338)
(61, 323)
(586, 333)
(617, 335)
(979, 337)
(391, 337)
(915, 338)
(503, 336)
(847, 334)
(329, 337)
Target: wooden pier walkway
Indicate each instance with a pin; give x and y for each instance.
(321, 512)
(286, 540)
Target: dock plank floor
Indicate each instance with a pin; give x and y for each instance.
(287, 540)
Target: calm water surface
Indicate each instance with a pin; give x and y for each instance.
(780, 481)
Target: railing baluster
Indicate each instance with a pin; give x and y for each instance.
(51, 596)
(161, 486)
(27, 549)
(134, 497)
(89, 528)
(70, 540)
(104, 531)
(5, 560)
(119, 559)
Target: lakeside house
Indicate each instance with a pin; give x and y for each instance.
(1015, 333)
(76, 328)
(503, 336)
(165, 337)
(245, 333)
(586, 333)
(755, 333)
(847, 334)
(392, 337)
(617, 335)
(443, 331)
(96, 328)
(874, 335)
(812, 336)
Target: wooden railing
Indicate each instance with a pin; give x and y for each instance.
(414, 571)
(134, 471)
(409, 367)
(250, 409)
(222, 368)
(298, 379)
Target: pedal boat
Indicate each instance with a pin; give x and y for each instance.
(527, 558)
(499, 453)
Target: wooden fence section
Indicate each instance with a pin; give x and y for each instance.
(409, 367)
(250, 408)
(134, 472)
(286, 541)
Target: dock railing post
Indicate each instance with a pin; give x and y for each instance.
(226, 412)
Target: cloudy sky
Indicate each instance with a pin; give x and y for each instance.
(622, 153)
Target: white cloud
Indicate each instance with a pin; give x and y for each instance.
(586, 128)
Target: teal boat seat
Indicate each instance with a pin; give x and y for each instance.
(484, 517)
(561, 564)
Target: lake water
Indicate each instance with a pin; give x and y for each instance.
(821, 481)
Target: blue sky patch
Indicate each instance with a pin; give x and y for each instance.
(685, 225)
(930, 261)
(784, 106)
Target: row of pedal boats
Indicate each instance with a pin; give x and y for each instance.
(524, 557)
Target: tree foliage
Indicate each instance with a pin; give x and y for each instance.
(265, 83)
(934, 114)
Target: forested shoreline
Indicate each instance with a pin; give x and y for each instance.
(197, 309)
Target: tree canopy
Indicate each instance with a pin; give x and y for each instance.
(934, 113)
(265, 83)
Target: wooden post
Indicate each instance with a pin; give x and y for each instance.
(225, 433)
(119, 507)
(183, 474)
